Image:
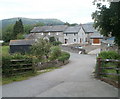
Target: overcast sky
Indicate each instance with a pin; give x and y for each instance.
(72, 11)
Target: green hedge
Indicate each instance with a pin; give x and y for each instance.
(7, 64)
(64, 56)
(109, 55)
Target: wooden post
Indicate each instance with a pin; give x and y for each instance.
(98, 67)
(118, 66)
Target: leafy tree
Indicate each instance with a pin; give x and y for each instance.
(55, 52)
(18, 28)
(41, 49)
(73, 24)
(28, 28)
(107, 20)
(7, 33)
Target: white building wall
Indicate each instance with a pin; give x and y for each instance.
(71, 38)
(83, 36)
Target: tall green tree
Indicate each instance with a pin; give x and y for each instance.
(18, 28)
(107, 20)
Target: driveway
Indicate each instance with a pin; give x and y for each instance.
(72, 80)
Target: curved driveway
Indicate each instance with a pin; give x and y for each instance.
(72, 80)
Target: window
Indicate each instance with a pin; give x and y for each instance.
(57, 33)
(74, 34)
(66, 34)
(86, 39)
(74, 40)
(42, 34)
(49, 33)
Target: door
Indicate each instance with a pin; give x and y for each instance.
(96, 41)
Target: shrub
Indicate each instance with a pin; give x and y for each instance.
(109, 55)
(56, 43)
(6, 64)
(52, 39)
(41, 49)
(55, 52)
(7, 68)
(64, 56)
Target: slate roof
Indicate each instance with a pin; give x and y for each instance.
(96, 35)
(55, 28)
(33, 36)
(22, 42)
(88, 28)
(109, 40)
(72, 29)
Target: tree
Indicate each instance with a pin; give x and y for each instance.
(7, 33)
(107, 20)
(18, 28)
(40, 49)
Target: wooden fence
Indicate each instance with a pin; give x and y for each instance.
(19, 66)
(103, 75)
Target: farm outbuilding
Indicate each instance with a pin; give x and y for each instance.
(96, 38)
(21, 46)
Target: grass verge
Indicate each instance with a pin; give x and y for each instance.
(7, 80)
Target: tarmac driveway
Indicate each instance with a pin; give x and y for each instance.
(72, 80)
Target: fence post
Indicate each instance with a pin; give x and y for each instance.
(98, 67)
(118, 66)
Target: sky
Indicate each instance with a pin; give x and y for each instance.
(72, 11)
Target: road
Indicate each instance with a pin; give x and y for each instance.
(72, 80)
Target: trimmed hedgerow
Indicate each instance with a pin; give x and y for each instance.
(109, 55)
(64, 56)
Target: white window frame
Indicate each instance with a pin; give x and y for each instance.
(41, 33)
(57, 33)
(49, 33)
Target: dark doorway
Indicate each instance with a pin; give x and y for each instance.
(66, 41)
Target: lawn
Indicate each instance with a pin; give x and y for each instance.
(5, 50)
(27, 75)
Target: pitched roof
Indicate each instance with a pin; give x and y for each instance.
(88, 28)
(109, 40)
(33, 36)
(22, 42)
(55, 28)
(96, 35)
(72, 29)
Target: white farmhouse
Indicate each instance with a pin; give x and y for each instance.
(80, 34)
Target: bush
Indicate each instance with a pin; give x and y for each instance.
(41, 49)
(64, 56)
(7, 64)
(56, 43)
(109, 55)
(55, 52)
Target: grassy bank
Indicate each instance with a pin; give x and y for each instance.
(5, 50)
(7, 80)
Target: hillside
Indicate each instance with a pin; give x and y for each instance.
(6, 22)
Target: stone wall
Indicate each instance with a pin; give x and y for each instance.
(71, 48)
(55, 63)
(106, 47)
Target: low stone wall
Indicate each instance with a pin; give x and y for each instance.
(56, 63)
(105, 47)
(73, 49)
